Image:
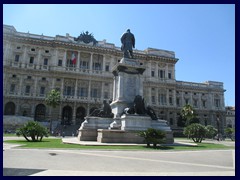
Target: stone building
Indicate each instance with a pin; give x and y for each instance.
(230, 116)
(80, 68)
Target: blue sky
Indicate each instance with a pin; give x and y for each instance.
(202, 36)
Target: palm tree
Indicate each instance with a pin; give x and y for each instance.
(53, 99)
(188, 113)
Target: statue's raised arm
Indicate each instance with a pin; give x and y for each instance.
(128, 42)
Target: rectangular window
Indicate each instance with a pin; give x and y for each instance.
(105, 95)
(195, 104)
(163, 99)
(45, 63)
(178, 102)
(14, 75)
(31, 60)
(84, 65)
(217, 102)
(29, 77)
(17, 58)
(59, 62)
(169, 75)
(152, 73)
(46, 51)
(27, 90)
(18, 47)
(83, 92)
(153, 100)
(12, 88)
(68, 91)
(204, 103)
(94, 93)
(107, 68)
(96, 66)
(32, 49)
(42, 90)
(186, 101)
(43, 79)
(170, 101)
(161, 74)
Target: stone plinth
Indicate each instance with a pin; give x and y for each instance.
(118, 136)
(128, 83)
(135, 122)
(88, 129)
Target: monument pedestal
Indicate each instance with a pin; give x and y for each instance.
(123, 128)
(88, 129)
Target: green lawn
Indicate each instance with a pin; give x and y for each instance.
(57, 143)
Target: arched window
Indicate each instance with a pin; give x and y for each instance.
(9, 109)
(40, 112)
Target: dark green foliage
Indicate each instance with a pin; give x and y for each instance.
(53, 98)
(195, 131)
(152, 136)
(210, 131)
(229, 133)
(181, 121)
(33, 130)
(188, 113)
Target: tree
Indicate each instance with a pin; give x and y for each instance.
(188, 113)
(33, 130)
(210, 131)
(195, 131)
(152, 136)
(53, 99)
(229, 132)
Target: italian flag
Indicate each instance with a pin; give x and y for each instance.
(74, 59)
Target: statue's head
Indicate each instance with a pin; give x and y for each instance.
(128, 30)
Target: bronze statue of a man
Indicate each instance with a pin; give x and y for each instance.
(128, 42)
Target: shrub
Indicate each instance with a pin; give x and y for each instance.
(210, 131)
(229, 132)
(34, 130)
(195, 131)
(152, 136)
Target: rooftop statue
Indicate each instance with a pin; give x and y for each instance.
(128, 42)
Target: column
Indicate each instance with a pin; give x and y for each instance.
(78, 61)
(91, 62)
(199, 101)
(191, 99)
(89, 90)
(32, 111)
(20, 92)
(104, 62)
(38, 57)
(24, 60)
(173, 72)
(174, 98)
(75, 91)
(35, 93)
(150, 95)
(62, 87)
(102, 92)
(167, 98)
(64, 59)
(53, 82)
(182, 99)
(166, 72)
(74, 114)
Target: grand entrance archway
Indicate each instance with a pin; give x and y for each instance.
(66, 116)
(9, 109)
(80, 114)
(40, 112)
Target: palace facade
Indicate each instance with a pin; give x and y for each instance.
(81, 70)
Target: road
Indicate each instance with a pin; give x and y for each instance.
(56, 162)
